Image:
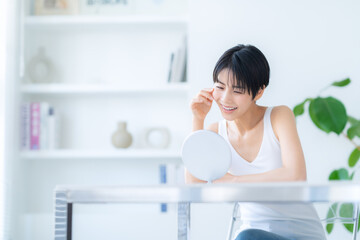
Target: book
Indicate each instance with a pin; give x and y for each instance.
(178, 64)
(25, 126)
(44, 141)
(172, 55)
(38, 126)
(174, 65)
(182, 62)
(52, 133)
(163, 180)
(35, 126)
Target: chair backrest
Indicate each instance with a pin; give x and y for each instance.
(351, 218)
(331, 218)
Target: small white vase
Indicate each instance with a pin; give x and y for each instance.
(121, 138)
(40, 68)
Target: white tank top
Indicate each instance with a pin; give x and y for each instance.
(294, 221)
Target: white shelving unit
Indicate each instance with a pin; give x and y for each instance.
(108, 69)
(40, 30)
(44, 21)
(173, 88)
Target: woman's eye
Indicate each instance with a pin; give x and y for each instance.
(240, 91)
(219, 87)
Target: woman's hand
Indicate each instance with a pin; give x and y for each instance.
(201, 104)
(227, 178)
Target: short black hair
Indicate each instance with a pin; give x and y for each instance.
(248, 65)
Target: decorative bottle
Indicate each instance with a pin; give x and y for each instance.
(121, 138)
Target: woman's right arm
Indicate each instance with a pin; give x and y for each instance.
(200, 107)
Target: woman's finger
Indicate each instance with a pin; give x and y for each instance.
(202, 99)
(206, 95)
(205, 98)
(208, 89)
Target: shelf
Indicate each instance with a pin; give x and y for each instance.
(101, 154)
(172, 88)
(81, 20)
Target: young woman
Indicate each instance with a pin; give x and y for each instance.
(264, 142)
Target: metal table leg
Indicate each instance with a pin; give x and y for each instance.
(184, 221)
(63, 217)
(356, 220)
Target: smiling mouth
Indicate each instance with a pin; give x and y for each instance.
(228, 108)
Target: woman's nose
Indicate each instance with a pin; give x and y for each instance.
(226, 96)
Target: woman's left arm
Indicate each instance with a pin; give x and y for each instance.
(294, 168)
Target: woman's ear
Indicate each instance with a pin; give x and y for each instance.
(260, 93)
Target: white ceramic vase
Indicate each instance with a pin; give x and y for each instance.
(40, 68)
(121, 138)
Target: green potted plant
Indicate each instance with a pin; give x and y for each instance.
(329, 115)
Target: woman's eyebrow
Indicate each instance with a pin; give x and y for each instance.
(232, 86)
(220, 82)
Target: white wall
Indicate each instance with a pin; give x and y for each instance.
(309, 44)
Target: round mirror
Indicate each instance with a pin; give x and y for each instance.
(206, 155)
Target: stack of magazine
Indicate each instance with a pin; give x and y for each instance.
(38, 126)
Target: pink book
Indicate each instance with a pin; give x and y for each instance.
(35, 126)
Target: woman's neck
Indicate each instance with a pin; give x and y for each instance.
(249, 120)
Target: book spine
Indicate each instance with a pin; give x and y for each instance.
(52, 133)
(182, 62)
(171, 67)
(25, 126)
(174, 66)
(179, 63)
(44, 109)
(163, 178)
(35, 126)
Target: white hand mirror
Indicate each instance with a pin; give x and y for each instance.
(206, 155)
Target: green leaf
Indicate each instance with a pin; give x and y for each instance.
(353, 121)
(343, 174)
(329, 227)
(328, 114)
(330, 214)
(352, 176)
(354, 157)
(354, 131)
(340, 174)
(334, 175)
(347, 211)
(341, 83)
(299, 109)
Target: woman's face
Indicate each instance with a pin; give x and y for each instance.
(232, 100)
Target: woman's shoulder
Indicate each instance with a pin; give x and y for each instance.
(281, 117)
(281, 112)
